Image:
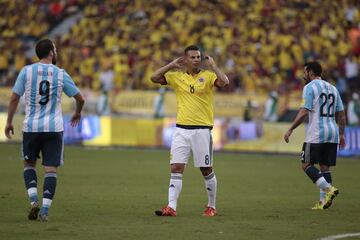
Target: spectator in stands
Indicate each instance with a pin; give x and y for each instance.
(354, 36)
(159, 104)
(4, 65)
(107, 84)
(248, 111)
(341, 85)
(353, 111)
(270, 108)
(352, 72)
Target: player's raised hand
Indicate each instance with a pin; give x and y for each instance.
(287, 135)
(75, 119)
(9, 130)
(178, 63)
(209, 61)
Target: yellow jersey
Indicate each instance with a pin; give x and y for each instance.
(194, 97)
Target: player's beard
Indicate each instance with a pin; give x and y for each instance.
(306, 79)
(195, 68)
(53, 61)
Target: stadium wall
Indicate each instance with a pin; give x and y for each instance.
(235, 135)
(141, 103)
(225, 104)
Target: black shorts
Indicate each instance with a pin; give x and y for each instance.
(321, 153)
(50, 144)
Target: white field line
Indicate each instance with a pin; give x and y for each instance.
(340, 236)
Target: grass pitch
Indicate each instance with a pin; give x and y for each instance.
(112, 194)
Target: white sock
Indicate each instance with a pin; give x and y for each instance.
(32, 192)
(46, 203)
(211, 188)
(322, 183)
(322, 195)
(174, 189)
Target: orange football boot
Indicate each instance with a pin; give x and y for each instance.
(209, 212)
(166, 212)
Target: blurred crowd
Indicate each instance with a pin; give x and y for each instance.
(262, 45)
(22, 23)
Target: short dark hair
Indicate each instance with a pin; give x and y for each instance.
(315, 67)
(43, 48)
(191, 48)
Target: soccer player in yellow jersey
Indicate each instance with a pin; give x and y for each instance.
(195, 118)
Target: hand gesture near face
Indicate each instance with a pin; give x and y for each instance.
(209, 61)
(178, 63)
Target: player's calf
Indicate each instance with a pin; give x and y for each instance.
(49, 192)
(30, 180)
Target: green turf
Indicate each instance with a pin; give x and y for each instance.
(112, 194)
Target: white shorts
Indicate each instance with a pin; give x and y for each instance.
(199, 141)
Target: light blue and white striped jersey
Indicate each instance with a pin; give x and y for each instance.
(323, 100)
(43, 85)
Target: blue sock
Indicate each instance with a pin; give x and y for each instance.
(313, 173)
(49, 192)
(30, 179)
(327, 176)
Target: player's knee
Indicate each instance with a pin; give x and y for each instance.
(324, 168)
(304, 166)
(177, 168)
(50, 169)
(29, 163)
(206, 170)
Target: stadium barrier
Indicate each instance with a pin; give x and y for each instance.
(269, 138)
(18, 125)
(228, 134)
(225, 105)
(5, 94)
(352, 142)
(141, 103)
